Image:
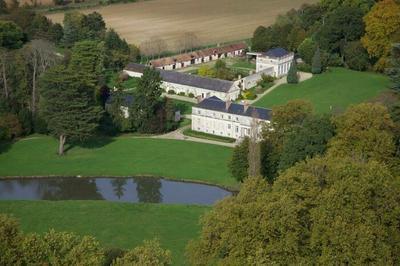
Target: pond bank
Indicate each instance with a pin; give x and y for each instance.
(120, 157)
(129, 189)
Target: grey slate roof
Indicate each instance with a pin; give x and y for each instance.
(276, 52)
(216, 104)
(127, 100)
(187, 79)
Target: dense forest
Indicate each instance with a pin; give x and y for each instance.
(326, 189)
(54, 79)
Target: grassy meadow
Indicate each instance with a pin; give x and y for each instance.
(122, 225)
(333, 90)
(121, 156)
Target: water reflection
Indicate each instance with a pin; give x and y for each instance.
(135, 189)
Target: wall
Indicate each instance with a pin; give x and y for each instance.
(221, 124)
(233, 94)
(280, 65)
(251, 81)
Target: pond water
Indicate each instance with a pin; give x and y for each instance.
(132, 189)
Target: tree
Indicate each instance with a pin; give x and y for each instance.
(293, 76)
(150, 253)
(68, 106)
(254, 154)
(316, 67)
(355, 56)
(187, 41)
(306, 141)
(206, 71)
(95, 27)
(296, 36)
(382, 26)
(11, 37)
(61, 248)
(72, 28)
(284, 119)
(87, 59)
(363, 5)
(310, 14)
(146, 100)
(41, 55)
(117, 50)
(159, 45)
(239, 163)
(3, 7)
(364, 131)
(10, 239)
(307, 50)
(10, 127)
(342, 25)
(291, 221)
(394, 70)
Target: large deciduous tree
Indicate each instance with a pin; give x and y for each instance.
(343, 25)
(68, 106)
(11, 37)
(355, 56)
(307, 50)
(40, 55)
(382, 29)
(394, 70)
(306, 140)
(322, 211)
(150, 253)
(364, 131)
(239, 163)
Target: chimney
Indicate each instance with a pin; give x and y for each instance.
(227, 104)
(246, 106)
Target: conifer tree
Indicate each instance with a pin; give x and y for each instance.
(146, 100)
(292, 77)
(316, 62)
(68, 106)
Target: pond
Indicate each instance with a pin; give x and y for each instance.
(132, 189)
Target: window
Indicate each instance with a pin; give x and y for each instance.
(229, 126)
(237, 129)
(199, 112)
(237, 118)
(229, 117)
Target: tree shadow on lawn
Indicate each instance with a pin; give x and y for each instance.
(91, 143)
(5, 146)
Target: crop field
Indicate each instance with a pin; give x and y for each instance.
(213, 21)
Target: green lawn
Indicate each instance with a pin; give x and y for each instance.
(336, 89)
(183, 106)
(121, 225)
(112, 80)
(122, 156)
(243, 63)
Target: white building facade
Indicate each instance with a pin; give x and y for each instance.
(227, 119)
(277, 59)
(186, 84)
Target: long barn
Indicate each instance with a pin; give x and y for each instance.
(198, 57)
(181, 83)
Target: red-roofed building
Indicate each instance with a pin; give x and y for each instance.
(198, 57)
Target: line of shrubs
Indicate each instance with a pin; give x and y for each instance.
(190, 95)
